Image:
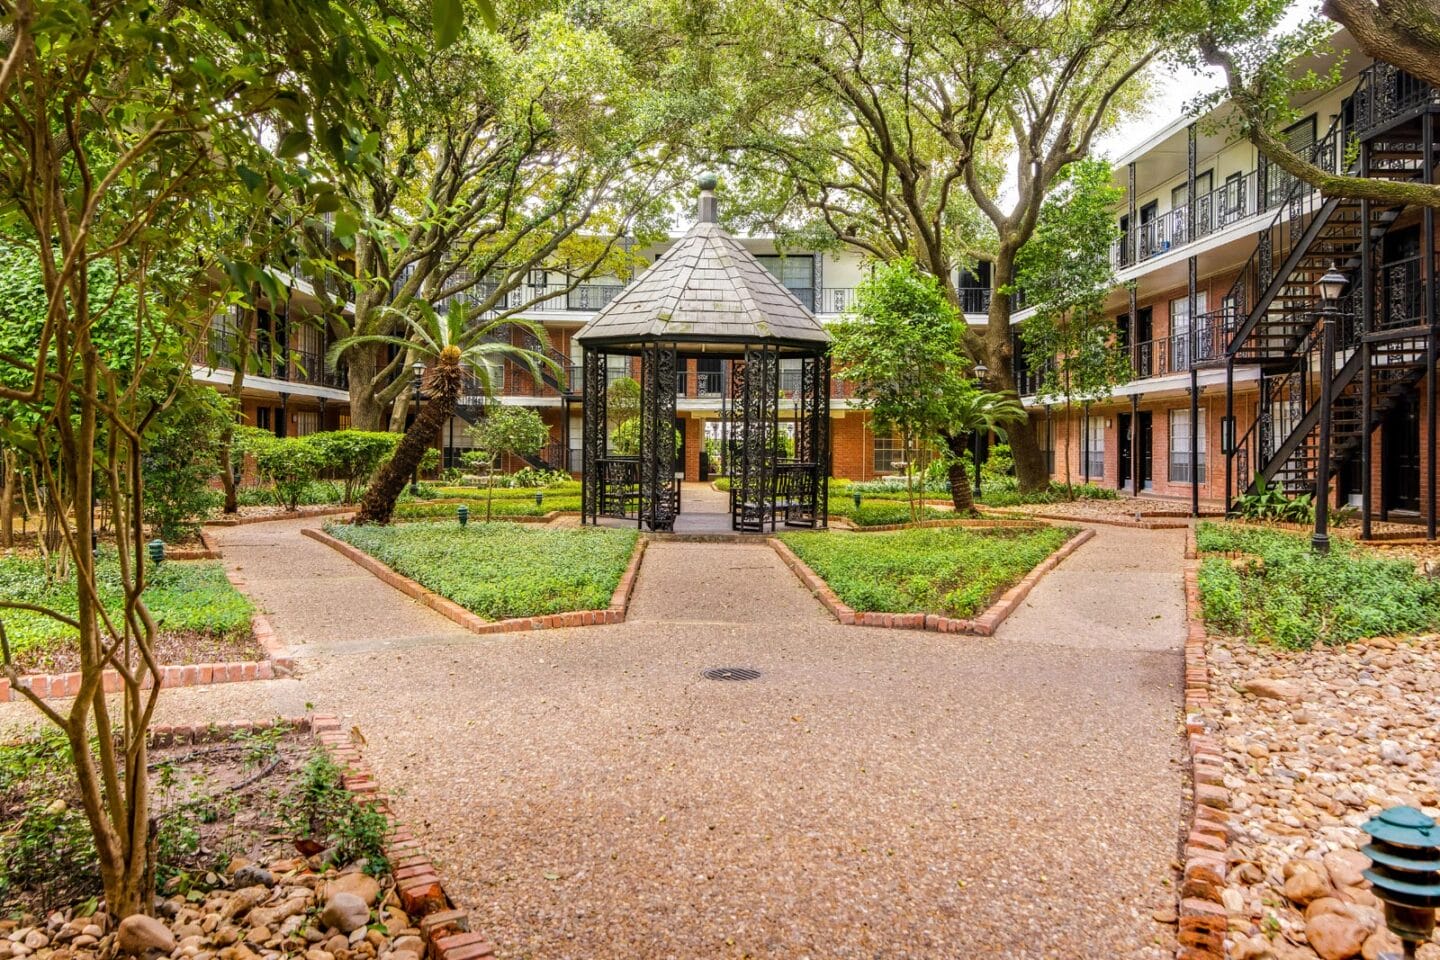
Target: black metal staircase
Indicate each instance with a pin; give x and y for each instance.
(1274, 312)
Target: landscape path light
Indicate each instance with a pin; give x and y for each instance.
(1405, 870)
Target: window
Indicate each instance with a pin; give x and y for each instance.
(342, 422)
(1095, 447)
(307, 422)
(1180, 433)
(796, 272)
(1181, 343)
(888, 451)
(262, 418)
(1045, 437)
(1180, 207)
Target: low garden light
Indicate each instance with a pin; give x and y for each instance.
(855, 495)
(1405, 855)
(156, 549)
(462, 514)
(539, 498)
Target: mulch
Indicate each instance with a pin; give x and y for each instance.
(172, 647)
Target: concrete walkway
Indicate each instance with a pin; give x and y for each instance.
(875, 793)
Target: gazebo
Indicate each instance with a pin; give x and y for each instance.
(708, 297)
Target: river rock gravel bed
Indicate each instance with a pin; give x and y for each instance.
(1316, 743)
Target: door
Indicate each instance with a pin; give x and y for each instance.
(1123, 425)
(1400, 456)
(1143, 346)
(1147, 443)
(1149, 213)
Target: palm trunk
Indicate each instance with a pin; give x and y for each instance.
(378, 505)
(960, 495)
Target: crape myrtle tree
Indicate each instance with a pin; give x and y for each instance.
(1248, 41)
(898, 347)
(533, 146)
(932, 130)
(1066, 273)
(132, 135)
(507, 431)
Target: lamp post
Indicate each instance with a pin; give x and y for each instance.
(980, 371)
(418, 370)
(1330, 287)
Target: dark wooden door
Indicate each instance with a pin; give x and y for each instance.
(1147, 443)
(1400, 456)
(1124, 424)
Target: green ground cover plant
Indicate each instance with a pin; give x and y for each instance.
(502, 570)
(188, 596)
(953, 571)
(509, 507)
(1009, 495)
(1280, 591)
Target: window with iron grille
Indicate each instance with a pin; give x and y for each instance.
(307, 422)
(887, 452)
(1180, 432)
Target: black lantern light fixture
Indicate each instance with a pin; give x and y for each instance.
(1404, 852)
(156, 549)
(462, 514)
(980, 373)
(417, 380)
(1330, 288)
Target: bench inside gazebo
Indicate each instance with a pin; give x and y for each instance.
(708, 297)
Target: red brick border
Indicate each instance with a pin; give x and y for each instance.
(302, 513)
(615, 613)
(1202, 915)
(984, 625)
(445, 929)
(1017, 523)
(279, 662)
(210, 550)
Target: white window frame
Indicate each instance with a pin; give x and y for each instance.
(1179, 456)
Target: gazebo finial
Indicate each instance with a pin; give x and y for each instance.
(708, 181)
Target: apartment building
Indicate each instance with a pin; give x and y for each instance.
(1221, 256)
(289, 390)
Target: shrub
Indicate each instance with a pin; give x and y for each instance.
(290, 465)
(625, 441)
(1012, 496)
(354, 455)
(430, 460)
(1000, 465)
(182, 455)
(1270, 503)
(323, 810)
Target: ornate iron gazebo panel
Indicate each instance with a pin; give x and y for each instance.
(659, 488)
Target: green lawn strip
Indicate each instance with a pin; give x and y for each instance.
(181, 596)
(1280, 591)
(952, 571)
(425, 510)
(511, 493)
(502, 570)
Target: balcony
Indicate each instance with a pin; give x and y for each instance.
(973, 300)
(1387, 95)
(1232, 201)
(218, 349)
(1203, 343)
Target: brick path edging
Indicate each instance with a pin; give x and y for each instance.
(279, 662)
(302, 513)
(450, 610)
(984, 625)
(1016, 523)
(445, 929)
(1202, 915)
(209, 550)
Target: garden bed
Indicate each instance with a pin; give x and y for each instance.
(270, 844)
(951, 579)
(201, 616)
(1271, 586)
(503, 572)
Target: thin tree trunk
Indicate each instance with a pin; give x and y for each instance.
(1069, 429)
(237, 384)
(7, 498)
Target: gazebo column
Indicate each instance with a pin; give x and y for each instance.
(659, 491)
(755, 420)
(592, 436)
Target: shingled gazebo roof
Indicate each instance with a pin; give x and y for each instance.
(705, 291)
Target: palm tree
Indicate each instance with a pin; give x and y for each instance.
(978, 411)
(451, 345)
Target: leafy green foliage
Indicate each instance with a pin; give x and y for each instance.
(1270, 502)
(353, 455)
(625, 440)
(181, 595)
(1009, 495)
(321, 809)
(182, 456)
(45, 845)
(501, 570)
(288, 464)
(949, 570)
(513, 431)
(1280, 591)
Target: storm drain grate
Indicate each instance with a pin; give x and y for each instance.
(730, 673)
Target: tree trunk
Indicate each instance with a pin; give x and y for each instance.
(378, 504)
(1069, 430)
(7, 498)
(366, 412)
(960, 494)
(237, 384)
(1000, 357)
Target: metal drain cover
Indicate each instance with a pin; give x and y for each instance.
(730, 673)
